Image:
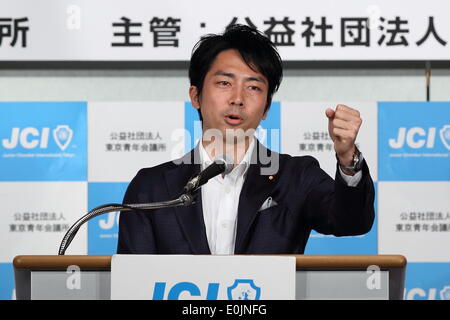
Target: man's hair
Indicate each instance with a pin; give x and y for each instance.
(258, 52)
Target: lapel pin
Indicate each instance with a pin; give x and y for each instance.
(270, 178)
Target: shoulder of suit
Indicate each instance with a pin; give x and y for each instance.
(303, 160)
(289, 164)
(155, 170)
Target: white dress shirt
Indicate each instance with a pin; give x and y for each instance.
(220, 200)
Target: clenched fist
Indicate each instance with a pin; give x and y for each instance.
(343, 127)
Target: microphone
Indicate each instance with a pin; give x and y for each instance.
(222, 164)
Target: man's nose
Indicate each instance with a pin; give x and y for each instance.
(237, 97)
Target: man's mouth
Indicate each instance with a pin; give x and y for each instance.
(233, 119)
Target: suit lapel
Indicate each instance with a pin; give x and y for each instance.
(256, 189)
(190, 218)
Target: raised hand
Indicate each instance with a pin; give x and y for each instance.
(343, 127)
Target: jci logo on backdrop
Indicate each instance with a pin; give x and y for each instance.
(43, 141)
(428, 294)
(111, 220)
(414, 141)
(418, 137)
(31, 138)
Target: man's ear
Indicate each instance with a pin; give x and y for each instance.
(193, 95)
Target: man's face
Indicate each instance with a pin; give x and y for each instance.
(233, 97)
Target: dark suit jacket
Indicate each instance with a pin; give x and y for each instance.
(307, 199)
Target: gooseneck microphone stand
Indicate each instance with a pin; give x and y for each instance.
(184, 199)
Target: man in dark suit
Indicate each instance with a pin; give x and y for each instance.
(269, 202)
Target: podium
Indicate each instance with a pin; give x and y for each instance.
(318, 277)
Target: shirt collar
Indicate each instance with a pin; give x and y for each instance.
(239, 170)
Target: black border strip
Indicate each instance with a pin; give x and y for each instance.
(171, 65)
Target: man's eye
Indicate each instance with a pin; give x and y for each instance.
(255, 88)
(223, 83)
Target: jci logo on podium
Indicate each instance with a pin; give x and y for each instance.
(241, 289)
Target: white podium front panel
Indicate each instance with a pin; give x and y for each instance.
(173, 277)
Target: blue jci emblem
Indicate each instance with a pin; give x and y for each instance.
(445, 136)
(244, 289)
